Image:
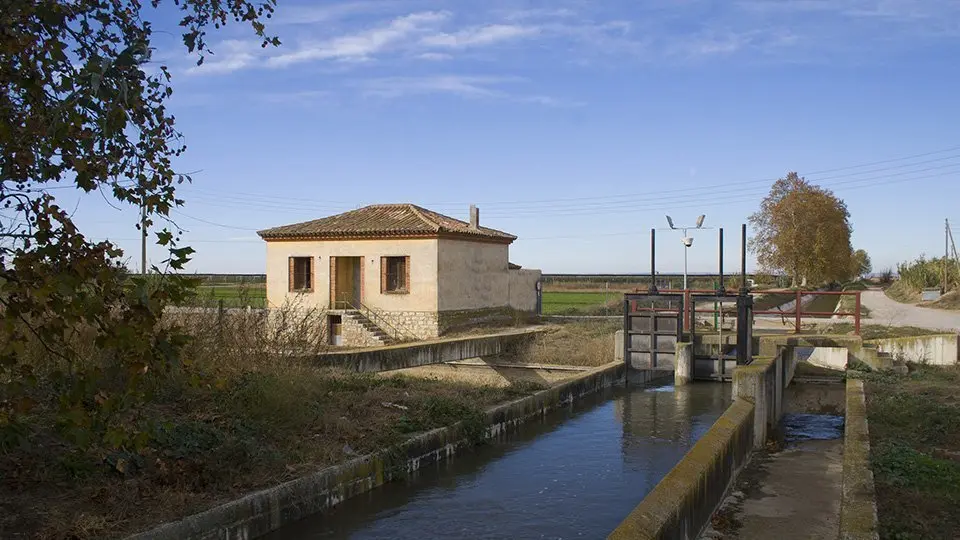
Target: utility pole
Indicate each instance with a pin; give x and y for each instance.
(946, 254)
(953, 250)
(143, 238)
(143, 220)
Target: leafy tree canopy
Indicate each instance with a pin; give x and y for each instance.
(861, 263)
(804, 231)
(80, 111)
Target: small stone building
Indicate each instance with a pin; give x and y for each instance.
(397, 271)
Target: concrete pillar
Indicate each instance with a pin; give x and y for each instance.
(683, 373)
(750, 383)
(618, 346)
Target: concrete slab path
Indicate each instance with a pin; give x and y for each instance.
(889, 312)
(791, 494)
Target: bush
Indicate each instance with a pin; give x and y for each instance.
(923, 273)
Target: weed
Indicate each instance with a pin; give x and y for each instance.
(915, 435)
(587, 343)
(245, 410)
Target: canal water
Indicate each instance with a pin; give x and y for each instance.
(574, 474)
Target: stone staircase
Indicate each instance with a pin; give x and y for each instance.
(373, 335)
(882, 361)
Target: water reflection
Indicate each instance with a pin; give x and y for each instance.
(576, 473)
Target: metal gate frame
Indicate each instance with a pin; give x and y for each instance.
(651, 334)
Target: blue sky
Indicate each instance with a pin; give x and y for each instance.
(575, 125)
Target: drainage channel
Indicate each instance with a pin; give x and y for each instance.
(573, 474)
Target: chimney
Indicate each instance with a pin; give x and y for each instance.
(474, 217)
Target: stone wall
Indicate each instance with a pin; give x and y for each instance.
(421, 324)
(468, 318)
(355, 335)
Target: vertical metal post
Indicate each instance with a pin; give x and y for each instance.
(744, 307)
(653, 261)
(743, 259)
(721, 287)
(626, 341)
(856, 317)
(688, 316)
(796, 309)
(716, 308)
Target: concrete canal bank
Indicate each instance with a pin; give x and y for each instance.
(259, 513)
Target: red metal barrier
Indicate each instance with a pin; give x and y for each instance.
(797, 313)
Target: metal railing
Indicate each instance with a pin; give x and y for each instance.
(797, 313)
(376, 318)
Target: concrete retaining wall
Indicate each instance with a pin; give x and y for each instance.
(264, 511)
(762, 383)
(940, 349)
(681, 505)
(858, 505)
(829, 357)
(420, 354)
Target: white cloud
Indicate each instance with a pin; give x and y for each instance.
(302, 97)
(479, 35)
(434, 56)
(311, 14)
(228, 56)
(465, 86)
(713, 45)
(362, 45)
(539, 13)
(387, 34)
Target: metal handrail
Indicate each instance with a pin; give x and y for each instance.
(378, 319)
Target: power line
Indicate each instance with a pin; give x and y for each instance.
(703, 199)
(315, 204)
(745, 182)
(698, 195)
(684, 198)
(215, 224)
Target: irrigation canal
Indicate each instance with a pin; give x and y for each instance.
(574, 474)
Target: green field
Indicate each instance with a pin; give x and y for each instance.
(581, 303)
(233, 295)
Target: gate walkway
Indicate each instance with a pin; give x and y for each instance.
(791, 494)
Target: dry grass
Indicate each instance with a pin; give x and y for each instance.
(870, 331)
(950, 300)
(901, 292)
(586, 343)
(246, 411)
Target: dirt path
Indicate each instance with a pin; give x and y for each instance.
(889, 312)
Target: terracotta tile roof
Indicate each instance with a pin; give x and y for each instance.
(384, 220)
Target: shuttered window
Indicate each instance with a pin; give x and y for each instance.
(301, 274)
(395, 274)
